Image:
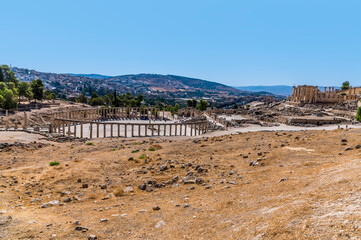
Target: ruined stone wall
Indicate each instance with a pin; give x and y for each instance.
(311, 94)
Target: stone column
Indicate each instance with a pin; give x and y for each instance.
(6, 120)
(111, 130)
(69, 129)
(104, 130)
(97, 129)
(125, 130)
(91, 130)
(75, 123)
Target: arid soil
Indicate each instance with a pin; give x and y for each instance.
(256, 185)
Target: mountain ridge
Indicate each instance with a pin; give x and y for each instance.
(156, 84)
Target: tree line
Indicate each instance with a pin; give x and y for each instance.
(12, 90)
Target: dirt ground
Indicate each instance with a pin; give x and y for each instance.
(255, 185)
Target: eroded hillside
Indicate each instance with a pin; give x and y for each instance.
(262, 185)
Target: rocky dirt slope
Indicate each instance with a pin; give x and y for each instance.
(261, 185)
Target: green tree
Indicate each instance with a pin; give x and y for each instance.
(8, 75)
(202, 105)
(81, 99)
(94, 95)
(12, 87)
(24, 90)
(2, 100)
(345, 85)
(358, 114)
(1, 75)
(48, 95)
(9, 102)
(189, 103)
(140, 98)
(2, 86)
(37, 88)
(97, 101)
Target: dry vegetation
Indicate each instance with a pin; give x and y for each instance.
(301, 185)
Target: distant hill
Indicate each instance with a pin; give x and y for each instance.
(282, 90)
(95, 76)
(170, 86)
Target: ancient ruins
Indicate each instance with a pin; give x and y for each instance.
(122, 122)
(312, 94)
(110, 122)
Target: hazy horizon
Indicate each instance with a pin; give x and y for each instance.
(236, 43)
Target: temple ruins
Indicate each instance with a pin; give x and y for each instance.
(312, 94)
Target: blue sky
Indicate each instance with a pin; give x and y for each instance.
(235, 42)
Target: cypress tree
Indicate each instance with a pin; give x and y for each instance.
(1, 75)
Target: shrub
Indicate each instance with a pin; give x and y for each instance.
(135, 151)
(142, 156)
(358, 114)
(90, 143)
(151, 149)
(54, 163)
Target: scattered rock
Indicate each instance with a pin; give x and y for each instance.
(253, 163)
(50, 204)
(142, 186)
(163, 167)
(128, 189)
(92, 237)
(160, 224)
(175, 179)
(156, 208)
(282, 179)
(199, 180)
(80, 228)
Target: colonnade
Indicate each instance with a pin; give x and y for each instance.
(97, 114)
(89, 129)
